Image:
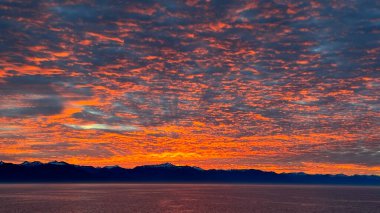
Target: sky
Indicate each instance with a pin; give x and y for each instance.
(276, 85)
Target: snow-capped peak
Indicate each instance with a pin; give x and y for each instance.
(58, 163)
(166, 165)
(34, 163)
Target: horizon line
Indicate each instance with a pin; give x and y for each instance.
(181, 165)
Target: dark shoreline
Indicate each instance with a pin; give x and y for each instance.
(194, 183)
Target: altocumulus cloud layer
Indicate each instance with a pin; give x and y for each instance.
(277, 85)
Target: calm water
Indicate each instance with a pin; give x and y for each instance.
(186, 198)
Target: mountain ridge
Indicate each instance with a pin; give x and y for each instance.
(60, 171)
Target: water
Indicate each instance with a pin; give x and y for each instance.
(186, 198)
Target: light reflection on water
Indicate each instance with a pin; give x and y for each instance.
(186, 198)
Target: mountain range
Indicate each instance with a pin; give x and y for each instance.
(59, 171)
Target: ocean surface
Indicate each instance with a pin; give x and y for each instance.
(186, 198)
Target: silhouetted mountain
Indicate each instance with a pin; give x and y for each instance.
(63, 172)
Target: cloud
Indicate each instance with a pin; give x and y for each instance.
(238, 79)
(34, 107)
(29, 96)
(120, 128)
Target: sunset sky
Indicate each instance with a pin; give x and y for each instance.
(280, 85)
